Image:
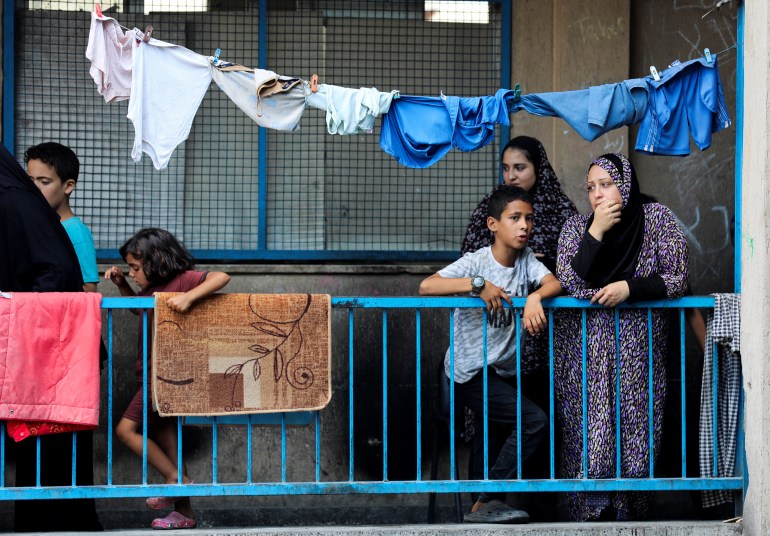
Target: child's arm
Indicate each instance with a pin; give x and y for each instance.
(437, 285)
(115, 275)
(535, 319)
(213, 282)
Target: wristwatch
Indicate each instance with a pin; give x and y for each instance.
(477, 284)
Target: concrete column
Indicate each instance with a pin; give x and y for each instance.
(755, 260)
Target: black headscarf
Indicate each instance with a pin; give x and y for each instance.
(617, 258)
(36, 254)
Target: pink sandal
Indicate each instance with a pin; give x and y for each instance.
(174, 520)
(161, 503)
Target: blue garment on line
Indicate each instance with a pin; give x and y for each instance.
(591, 112)
(416, 131)
(687, 99)
(474, 118)
(419, 131)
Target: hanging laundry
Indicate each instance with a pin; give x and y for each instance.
(419, 131)
(723, 329)
(272, 101)
(350, 111)
(688, 99)
(167, 87)
(594, 111)
(474, 119)
(111, 55)
(416, 131)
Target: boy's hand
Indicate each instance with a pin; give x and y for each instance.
(493, 296)
(115, 275)
(612, 294)
(180, 303)
(534, 319)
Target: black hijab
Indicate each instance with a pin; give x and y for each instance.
(36, 254)
(617, 258)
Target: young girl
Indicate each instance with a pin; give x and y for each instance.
(158, 262)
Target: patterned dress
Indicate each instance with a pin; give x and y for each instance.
(664, 253)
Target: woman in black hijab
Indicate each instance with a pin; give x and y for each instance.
(626, 250)
(36, 255)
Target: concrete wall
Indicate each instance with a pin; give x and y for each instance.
(755, 260)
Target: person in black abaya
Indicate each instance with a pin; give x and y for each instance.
(36, 255)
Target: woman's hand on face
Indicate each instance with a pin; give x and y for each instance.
(612, 294)
(606, 216)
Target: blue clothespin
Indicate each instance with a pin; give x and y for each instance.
(709, 57)
(216, 57)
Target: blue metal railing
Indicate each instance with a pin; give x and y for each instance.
(348, 484)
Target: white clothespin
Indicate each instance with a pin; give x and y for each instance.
(6, 295)
(654, 73)
(709, 57)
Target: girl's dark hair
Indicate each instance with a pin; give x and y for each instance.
(162, 256)
(529, 146)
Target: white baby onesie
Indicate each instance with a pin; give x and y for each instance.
(167, 87)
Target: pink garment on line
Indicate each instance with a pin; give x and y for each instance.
(49, 360)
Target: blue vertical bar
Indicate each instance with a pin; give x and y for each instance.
(179, 461)
(262, 145)
(74, 458)
(9, 74)
(618, 459)
(682, 375)
(452, 474)
(715, 409)
(585, 396)
(551, 405)
(249, 448)
(351, 457)
(418, 408)
(650, 394)
(283, 447)
(518, 395)
(37, 461)
(385, 395)
(506, 13)
(739, 111)
(317, 446)
(109, 397)
(214, 452)
(739, 148)
(486, 396)
(144, 396)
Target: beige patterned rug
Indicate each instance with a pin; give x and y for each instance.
(242, 353)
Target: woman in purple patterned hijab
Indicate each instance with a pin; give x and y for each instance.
(624, 251)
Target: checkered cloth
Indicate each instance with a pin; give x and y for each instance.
(723, 330)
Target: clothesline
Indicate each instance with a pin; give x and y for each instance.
(165, 85)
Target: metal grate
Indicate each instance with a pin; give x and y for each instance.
(316, 195)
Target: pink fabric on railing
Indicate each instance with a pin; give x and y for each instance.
(49, 362)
